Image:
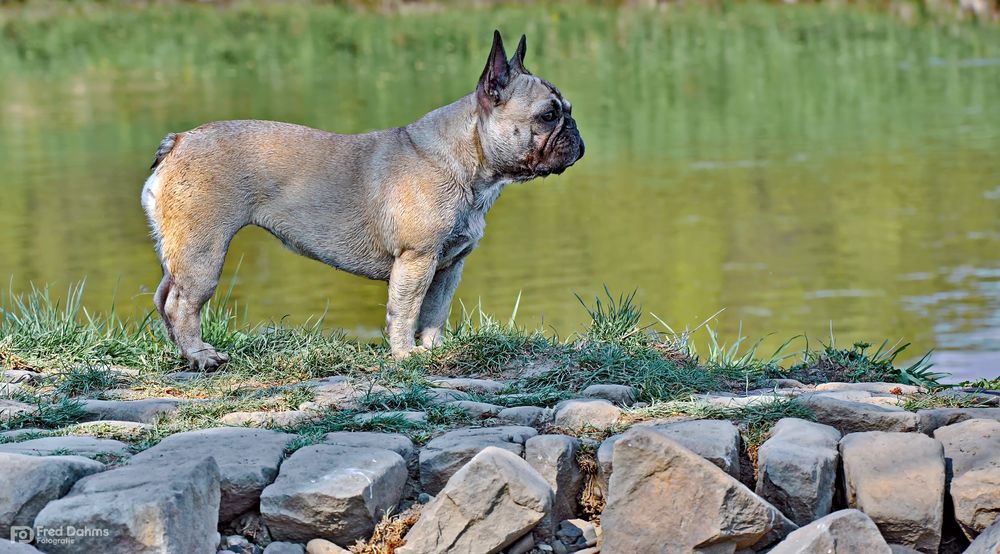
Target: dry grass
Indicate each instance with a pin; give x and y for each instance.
(389, 533)
(592, 498)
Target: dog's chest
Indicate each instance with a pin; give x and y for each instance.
(469, 228)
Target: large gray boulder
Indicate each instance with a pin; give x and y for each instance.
(972, 454)
(81, 446)
(30, 482)
(443, 456)
(663, 498)
(10, 409)
(248, 461)
(162, 509)
(7, 547)
(146, 410)
(469, 385)
(332, 492)
(529, 416)
(852, 417)
(716, 440)
(554, 458)
(898, 480)
(487, 505)
(939, 417)
(843, 532)
(871, 386)
(400, 444)
(797, 469)
(623, 395)
(988, 542)
(580, 414)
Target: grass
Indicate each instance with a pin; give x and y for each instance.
(87, 354)
(858, 363)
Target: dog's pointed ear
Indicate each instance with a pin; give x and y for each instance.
(495, 77)
(517, 60)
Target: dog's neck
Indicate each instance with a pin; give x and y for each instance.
(449, 137)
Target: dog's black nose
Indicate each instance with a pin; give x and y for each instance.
(582, 148)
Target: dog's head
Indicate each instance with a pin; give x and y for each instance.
(526, 127)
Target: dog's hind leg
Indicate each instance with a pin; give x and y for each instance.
(160, 300)
(193, 273)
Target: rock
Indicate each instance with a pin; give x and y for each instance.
(482, 386)
(173, 508)
(530, 416)
(24, 376)
(287, 418)
(31, 482)
(900, 549)
(718, 441)
(400, 444)
(443, 396)
(554, 458)
(849, 395)
(409, 416)
(988, 542)
(111, 427)
(733, 402)
(285, 548)
(477, 410)
(338, 392)
(333, 492)
(248, 461)
(985, 399)
(322, 546)
(898, 480)
(83, 446)
(972, 455)
(586, 414)
(445, 455)
(490, 503)
(11, 389)
(843, 532)
(797, 469)
(17, 434)
(7, 547)
(873, 387)
(852, 417)
(785, 384)
(9, 409)
(665, 498)
(605, 461)
(577, 534)
(142, 411)
(524, 545)
(617, 394)
(939, 417)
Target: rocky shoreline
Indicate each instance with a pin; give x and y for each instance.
(862, 474)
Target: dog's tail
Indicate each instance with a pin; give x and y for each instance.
(166, 145)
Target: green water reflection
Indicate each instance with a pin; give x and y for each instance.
(796, 170)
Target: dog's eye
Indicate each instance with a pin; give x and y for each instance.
(549, 116)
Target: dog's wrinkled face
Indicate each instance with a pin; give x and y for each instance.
(526, 127)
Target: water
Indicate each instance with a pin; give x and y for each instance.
(802, 171)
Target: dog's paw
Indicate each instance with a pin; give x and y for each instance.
(402, 354)
(207, 359)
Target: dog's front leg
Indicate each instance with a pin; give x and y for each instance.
(411, 276)
(437, 304)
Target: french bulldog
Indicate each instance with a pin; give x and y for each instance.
(403, 205)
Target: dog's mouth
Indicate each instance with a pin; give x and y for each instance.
(561, 150)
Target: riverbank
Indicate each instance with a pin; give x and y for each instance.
(70, 355)
(526, 421)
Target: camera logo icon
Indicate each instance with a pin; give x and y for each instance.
(22, 533)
